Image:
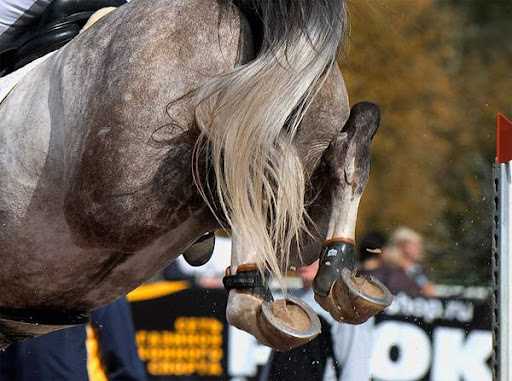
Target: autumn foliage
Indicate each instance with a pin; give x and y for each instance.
(439, 75)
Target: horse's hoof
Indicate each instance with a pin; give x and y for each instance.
(281, 325)
(201, 250)
(354, 299)
(288, 323)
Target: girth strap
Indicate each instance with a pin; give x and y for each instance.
(44, 316)
(19, 324)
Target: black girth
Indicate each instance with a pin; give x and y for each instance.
(20, 324)
(46, 317)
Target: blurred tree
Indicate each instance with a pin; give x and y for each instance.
(482, 76)
(438, 94)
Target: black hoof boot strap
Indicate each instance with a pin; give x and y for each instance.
(335, 257)
(250, 281)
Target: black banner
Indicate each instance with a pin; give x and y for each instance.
(433, 339)
(182, 334)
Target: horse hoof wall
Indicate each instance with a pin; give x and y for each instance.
(288, 323)
(354, 299)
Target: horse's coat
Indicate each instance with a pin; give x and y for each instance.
(89, 221)
(96, 185)
(80, 216)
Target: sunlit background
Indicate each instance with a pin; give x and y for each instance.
(440, 70)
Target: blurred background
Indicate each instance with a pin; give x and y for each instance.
(440, 70)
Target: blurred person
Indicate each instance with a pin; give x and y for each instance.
(409, 255)
(341, 352)
(380, 260)
(117, 358)
(63, 355)
(57, 356)
(370, 252)
(398, 263)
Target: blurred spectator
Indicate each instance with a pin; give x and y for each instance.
(112, 327)
(407, 246)
(57, 356)
(400, 267)
(370, 252)
(62, 355)
(341, 352)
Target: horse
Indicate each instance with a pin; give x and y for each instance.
(167, 120)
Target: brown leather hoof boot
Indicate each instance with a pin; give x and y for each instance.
(283, 324)
(347, 296)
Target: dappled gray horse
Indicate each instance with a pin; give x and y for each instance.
(164, 121)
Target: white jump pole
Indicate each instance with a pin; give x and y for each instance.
(502, 258)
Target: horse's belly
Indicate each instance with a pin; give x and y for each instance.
(43, 262)
(43, 267)
(40, 263)
(54, 273)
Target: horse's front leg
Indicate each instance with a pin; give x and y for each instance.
(338, 287)
(281, 324)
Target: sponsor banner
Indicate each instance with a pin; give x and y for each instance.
(182, 334)
(433, 339)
